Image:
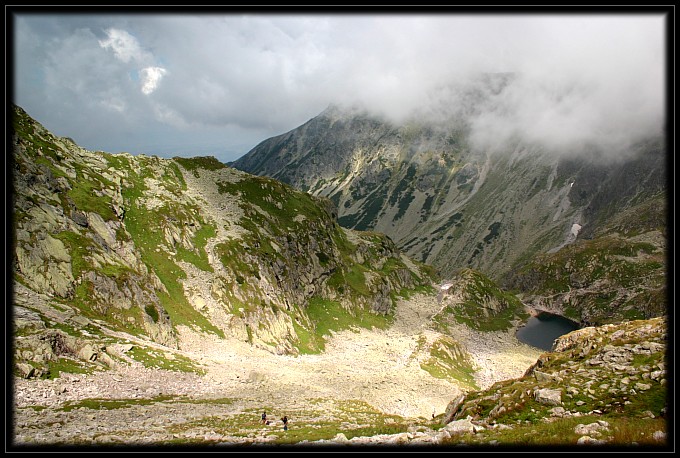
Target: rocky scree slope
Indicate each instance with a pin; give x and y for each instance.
(600, 386)
(145, 245)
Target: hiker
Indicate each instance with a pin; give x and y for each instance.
(285, 422)
(264, 418)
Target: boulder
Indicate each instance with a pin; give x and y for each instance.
(548, 396)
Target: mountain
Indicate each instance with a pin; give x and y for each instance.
(446, 204)
(152, 246)
(620, 274)
(508, 214)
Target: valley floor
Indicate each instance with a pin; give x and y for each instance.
(362, 374)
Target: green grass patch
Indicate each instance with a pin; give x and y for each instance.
(84, 194)
(200, 162)
(69, 366)
(111, 404)
(485, 306)
(199, 257)
(279, 201)
(356, 280)
(158, 359)
(329, 316)
(78, 247)
(561, 432)
(450, 362)
(116, 318)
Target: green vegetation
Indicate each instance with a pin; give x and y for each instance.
(596, 386)
(201, 162)
(630, 278)
(329, 316)
(146, 229)
(281, 203)
(158, 359)
(110, 404)
(351, 418)
(126, 320)
(356, 280)
(485, 306)
(493, 232)
(198, 256)
(78, 247)
(68, 365)
(152, 312)
(454, 220)
(622, 432)
(449, 361)
(85, 194)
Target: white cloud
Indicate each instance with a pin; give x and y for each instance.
(151, 77)
(125, 47)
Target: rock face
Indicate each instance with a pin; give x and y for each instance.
(144, 244)
(443, 202)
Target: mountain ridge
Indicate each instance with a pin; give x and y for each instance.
(104, 232)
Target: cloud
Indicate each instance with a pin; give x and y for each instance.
(151, 77)
(586, 83)
(127, 49)
(124, 46)
(578, 82)
(230, 81)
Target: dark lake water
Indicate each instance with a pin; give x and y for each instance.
(541, 331)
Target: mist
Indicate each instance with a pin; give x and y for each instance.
(570, 85)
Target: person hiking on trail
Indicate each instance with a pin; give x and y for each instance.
(285, 422)
(264, 418)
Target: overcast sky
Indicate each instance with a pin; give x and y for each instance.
(178, 84)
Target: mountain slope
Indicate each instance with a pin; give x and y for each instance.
(599, 386)
(148, 246)
(426, 187)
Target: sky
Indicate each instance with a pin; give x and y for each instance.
(177, 84)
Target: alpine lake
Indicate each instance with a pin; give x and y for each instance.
(540, 331)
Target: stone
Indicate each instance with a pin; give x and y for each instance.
(548, 396)
(587, 440)
(459, 426)
(25, 370)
